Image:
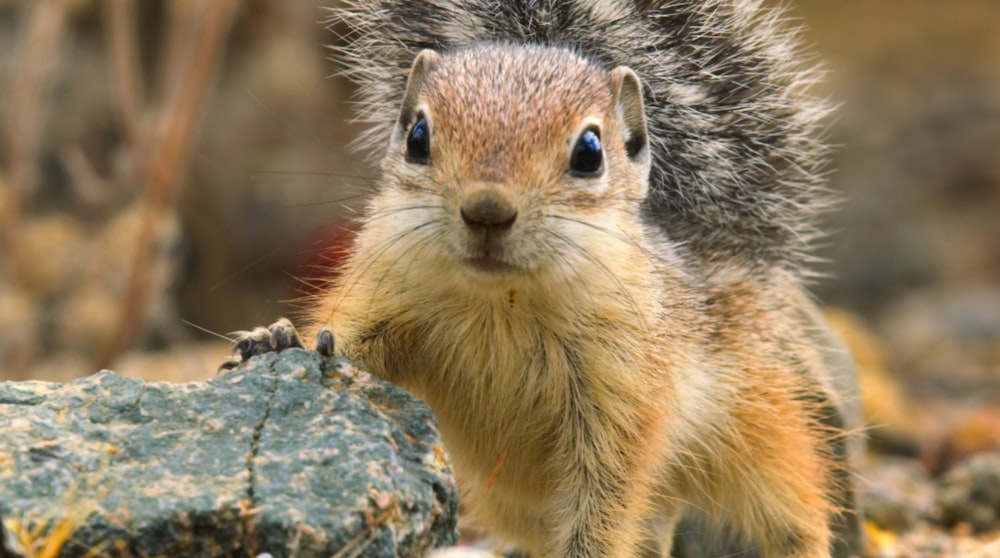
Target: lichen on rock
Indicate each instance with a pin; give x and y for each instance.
(290, 455)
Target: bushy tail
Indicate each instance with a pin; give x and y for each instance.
(735, 134)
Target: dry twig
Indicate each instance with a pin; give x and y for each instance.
(120, 23)
(168, 160)
(36, 59)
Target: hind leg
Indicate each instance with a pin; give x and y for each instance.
(780, 497)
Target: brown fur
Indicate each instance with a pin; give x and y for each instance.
(597, 388)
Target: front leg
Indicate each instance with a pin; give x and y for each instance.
(276, 337)
(605, 463)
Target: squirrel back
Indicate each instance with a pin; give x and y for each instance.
(735, 135)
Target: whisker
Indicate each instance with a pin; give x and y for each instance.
(388, 212)
(623, 237)
(356, 160)
(307, 286)
(208, 331)
(418, 247)
(313, 174)
(256, 261)
(552, 248)
(376, 254)
(324, 202)
(596, 261)
(427, 241)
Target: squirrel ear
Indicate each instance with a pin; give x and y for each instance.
(418, 74)
(626, 91)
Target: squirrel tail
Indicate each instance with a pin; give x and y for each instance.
(736, 135)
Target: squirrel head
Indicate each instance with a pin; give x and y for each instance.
(520, 148)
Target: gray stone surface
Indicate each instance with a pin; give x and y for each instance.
(970, 493)
(289, 455)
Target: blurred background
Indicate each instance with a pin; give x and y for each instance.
(170, 168)
(162, 162)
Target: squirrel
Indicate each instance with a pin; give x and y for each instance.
(588, 252)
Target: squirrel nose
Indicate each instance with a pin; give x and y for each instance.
(488, 208)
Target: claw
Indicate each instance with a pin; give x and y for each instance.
(324, 342)
(277, 337)
(252, 343)
(284, 336)
(228, 365)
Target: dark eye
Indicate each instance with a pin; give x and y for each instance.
(588, 158)
(418, 142)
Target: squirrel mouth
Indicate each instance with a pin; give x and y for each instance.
(489, 262)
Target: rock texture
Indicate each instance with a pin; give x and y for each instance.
(970, 493)
(289, 455)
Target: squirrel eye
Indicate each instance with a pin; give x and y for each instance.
(587, 159)
(418, 142)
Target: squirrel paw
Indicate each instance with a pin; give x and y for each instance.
(277, 337)
(324, 341)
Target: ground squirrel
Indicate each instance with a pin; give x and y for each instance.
(587, 254)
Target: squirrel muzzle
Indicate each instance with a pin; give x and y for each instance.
(489, 212)
(489, 208)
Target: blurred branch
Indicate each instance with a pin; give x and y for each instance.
(120, 23)
(169, 159)
(183, 114)
(182, 24)
(37, 55)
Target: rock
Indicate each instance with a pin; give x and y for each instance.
(970, 493)
(289, 455)
(929, 540)
(946, 342)
(897, 493)
(976, 431)
(910, 513)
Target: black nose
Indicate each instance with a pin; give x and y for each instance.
(488, 208)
